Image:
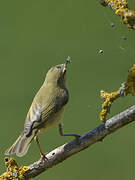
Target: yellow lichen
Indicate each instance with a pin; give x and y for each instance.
(127, 88)
(120, 7)
(130, 82)
(13, 171)
(109, 98)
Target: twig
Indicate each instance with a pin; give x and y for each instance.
(61, 153)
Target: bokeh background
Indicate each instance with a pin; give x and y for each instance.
(35, 35)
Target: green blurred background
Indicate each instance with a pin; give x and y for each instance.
(37, 34)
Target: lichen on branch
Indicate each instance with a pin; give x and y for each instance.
(126, 88)
(120, 8)
(13, 171)
(130, 82)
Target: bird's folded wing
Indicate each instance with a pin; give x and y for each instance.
(33, 116)
(38, 116)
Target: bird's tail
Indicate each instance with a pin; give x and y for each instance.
(21, 145)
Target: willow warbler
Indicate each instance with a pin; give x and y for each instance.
(46, 110)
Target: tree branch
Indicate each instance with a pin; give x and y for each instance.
(61, 153)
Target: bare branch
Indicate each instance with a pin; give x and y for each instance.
(61, 153)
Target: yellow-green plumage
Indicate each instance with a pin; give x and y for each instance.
(46, 110)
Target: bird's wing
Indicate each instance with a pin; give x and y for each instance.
(38, 115)
(33, 116)
(49, 111)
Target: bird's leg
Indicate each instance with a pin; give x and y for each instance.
(62, 133)
(43, 155)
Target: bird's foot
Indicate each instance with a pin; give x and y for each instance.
(77, 138)
(43, 156)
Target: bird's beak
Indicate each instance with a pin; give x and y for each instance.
(68, 61)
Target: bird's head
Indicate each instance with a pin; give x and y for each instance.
(57, 74)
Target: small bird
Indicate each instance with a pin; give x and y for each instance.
(46, 110)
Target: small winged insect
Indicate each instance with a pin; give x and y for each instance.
(101, 51)
(112, 25)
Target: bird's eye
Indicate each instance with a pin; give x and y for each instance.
(58, 67)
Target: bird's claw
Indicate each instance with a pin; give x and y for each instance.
(43, 157)
(77, 139)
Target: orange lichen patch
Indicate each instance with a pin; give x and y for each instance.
(109, 98)
(120, 7)
(13, 171)
(130, 82)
